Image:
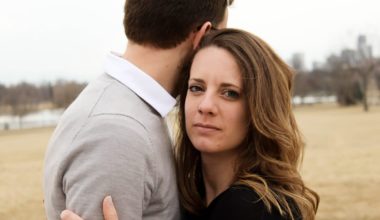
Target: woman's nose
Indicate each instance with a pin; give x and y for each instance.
(207, 105)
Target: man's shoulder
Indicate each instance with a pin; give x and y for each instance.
(116, 98)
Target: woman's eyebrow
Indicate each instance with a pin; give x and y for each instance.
(224, 84)
(197, 80)
(229, 85)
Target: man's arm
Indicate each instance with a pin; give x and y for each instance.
(110, 157)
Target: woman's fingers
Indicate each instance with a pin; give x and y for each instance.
(109, 210)
(69, 215)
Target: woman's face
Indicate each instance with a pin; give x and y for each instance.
(215, 107)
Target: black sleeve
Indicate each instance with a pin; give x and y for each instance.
(240, 203)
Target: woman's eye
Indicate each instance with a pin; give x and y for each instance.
(195, 88)
(231, 94)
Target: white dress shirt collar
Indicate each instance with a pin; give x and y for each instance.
(140, 83)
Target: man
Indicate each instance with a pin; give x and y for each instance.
(113, 139)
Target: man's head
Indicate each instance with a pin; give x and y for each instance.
(167, 23)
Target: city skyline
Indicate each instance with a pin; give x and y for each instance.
(46, 40)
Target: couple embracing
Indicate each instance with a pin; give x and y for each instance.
(237, 150)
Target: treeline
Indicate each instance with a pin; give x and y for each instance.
(349, 85)
(352, 76)
(22, 98)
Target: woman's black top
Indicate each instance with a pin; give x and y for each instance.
(238, 203)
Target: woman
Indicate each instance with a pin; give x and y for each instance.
(239, 155)
(238, 147)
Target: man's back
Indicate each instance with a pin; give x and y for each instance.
(111, 142)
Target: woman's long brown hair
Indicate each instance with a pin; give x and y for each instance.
(273, 148)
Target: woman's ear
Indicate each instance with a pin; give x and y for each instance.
(200, 33)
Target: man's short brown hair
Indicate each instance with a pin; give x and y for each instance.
(166, 23)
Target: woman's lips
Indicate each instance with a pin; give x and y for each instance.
(205, 128)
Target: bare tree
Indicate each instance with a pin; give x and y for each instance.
(344, 82)
(22, 99)
(64, 92)
(363, 65)
(361, 70)
(46, 92)
(3, 91)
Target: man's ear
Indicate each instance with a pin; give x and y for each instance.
(200, 33)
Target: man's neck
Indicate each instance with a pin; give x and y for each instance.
(161, 64)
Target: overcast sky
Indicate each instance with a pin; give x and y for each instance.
(43, 40)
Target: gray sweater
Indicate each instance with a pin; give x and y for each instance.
(110, 142)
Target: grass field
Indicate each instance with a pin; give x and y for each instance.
(21, 164)
(341, 164)
(342, 160)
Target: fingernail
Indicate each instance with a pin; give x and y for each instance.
(109, 200)
(64, 214)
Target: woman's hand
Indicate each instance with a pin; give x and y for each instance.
(109, 211)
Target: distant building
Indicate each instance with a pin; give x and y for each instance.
(349, 56)
(332, 61)
(318, 65)
(298, 62)
(364, 50)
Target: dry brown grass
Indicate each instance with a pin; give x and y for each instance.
(341, 164)
(21, 164)
(342, 160)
